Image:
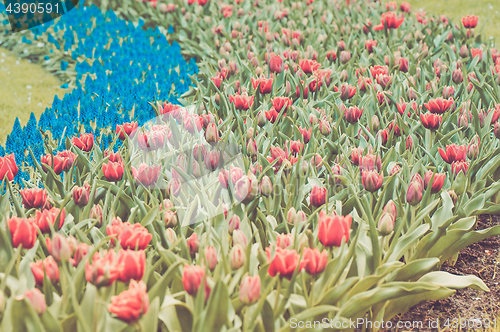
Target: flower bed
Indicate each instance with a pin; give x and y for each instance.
(328, 161)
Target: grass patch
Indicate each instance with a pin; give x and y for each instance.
(25, 88)
(487, 10)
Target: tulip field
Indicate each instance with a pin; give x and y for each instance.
(248, 165)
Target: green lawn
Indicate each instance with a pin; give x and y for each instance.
(487, 10)
(25, 88)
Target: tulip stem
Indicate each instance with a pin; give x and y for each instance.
(277, 300)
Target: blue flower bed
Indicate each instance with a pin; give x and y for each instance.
(127, 77)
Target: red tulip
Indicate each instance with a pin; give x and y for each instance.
(438, 105)
(81, 251)
(431, 121)
(134, 236)
(35, 297)
(8, 167)
(318, 196)
(60, 248)
(280, 103)
(49, 267)
(332, 229)
(356, 155)
(347, 91)
(477, 52)
(33, 197)
(266, 85)
(370, 44)
(284, 262)
(306, 134)
(23, 232)
(146, 175)
(131, 304)
(372, 180)
(453, 153)
(211, 257)
(391, 209)
(284, 241)
(85, 142)
(389, 20)
(414, 193)
(43, 218)
(126, 129)
(81, 194)
(113, 171)
(459, 166)
(308, 65)
(405, 6)
(437, 183)
(191, 122)
(104, 269)
(132, 264)
(331, 55)
(275, 64)
(60, 162)
(313, 261)
(470, 21)
(217, 81)
(193, 244)
(192, 276)
(212, 160)
(241, 102)
(250, 289)
(352, 114)
(370, 163)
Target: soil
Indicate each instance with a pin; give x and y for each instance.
(468, 305)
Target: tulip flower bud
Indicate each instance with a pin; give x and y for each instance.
(344, 92)
(316, 160)
(261, 119)
(288, 88)
(345, 56)
(37, 300)
(291, 216)
(60, 250)
(266, 186)
(234, 224)
(250, 133)
(412, 95)
(324, 127)
(464, 51)
(386, 224)
(304, 167)
(250, 289)
(81, 195)
(393, 168)
(409, 143)
(252, 148)
(237, 257)
(212, 134)
(472, 151)
(169, 218)
(391, 208)
(343, 75)
(239, 238)
(170, 235)
(96, 213)
(301, 217)
(463, 121)
(193, 243)
(313, 119)
(453, 196)
(457, 76)
(375, 123)
(496, 129)
(196, 169)
(414, 193)
(211, 257)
